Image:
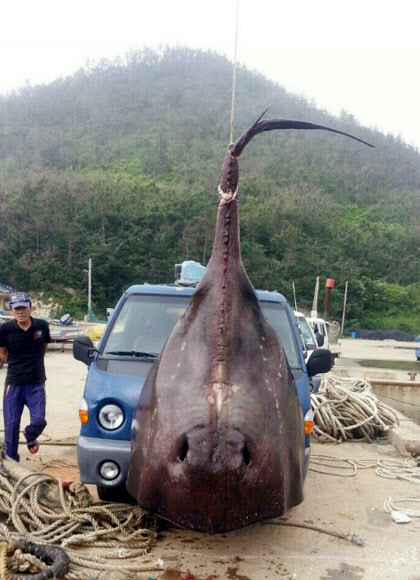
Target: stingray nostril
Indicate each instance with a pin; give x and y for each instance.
(183, 448)
(246, 454)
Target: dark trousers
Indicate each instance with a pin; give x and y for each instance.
(15, 397)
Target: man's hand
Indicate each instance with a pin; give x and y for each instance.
(3, 353)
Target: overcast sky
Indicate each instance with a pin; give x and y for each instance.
(362, 56)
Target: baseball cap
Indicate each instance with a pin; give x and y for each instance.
(19, 299)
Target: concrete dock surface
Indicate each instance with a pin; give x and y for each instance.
(335, 501)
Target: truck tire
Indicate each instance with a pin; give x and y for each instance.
(116, 494)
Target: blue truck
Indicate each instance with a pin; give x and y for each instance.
(118, 366)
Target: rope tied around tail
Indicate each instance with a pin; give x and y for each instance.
(227, 197)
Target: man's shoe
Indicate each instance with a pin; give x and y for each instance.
(33, 446)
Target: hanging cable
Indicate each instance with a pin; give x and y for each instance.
(232, 111)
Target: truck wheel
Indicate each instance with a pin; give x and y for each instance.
(116, 494)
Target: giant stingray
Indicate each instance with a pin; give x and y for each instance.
(218, 434)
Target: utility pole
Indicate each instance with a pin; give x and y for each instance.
(90, 287)
(294, 294)
(344, 308)
(314, 311)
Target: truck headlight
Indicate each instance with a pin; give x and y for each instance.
(111, 417)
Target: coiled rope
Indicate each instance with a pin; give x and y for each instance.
(390, 506)
(346, 409)
(407, 469)
(71, 519)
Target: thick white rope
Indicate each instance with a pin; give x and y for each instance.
(71, 519)
(407, 469)
(390, 506)
(346, 409)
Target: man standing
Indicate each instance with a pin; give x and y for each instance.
(23, 342)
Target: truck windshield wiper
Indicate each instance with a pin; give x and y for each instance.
(136, 353)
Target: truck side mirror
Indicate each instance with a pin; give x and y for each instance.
(320, 361)
(320, 339)
(83, 349)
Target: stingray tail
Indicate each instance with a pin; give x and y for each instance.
(271, 124)
(230, 168)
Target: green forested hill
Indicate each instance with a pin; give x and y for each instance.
(121, 163)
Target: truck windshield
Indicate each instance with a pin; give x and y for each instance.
(277, 316)
(143, 325)
(145, 322)
(308, 335)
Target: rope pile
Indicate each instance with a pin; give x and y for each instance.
(346, 409)
(42, 511)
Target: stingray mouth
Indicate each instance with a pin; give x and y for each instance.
(201, 451)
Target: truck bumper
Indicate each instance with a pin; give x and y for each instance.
(92, 452)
